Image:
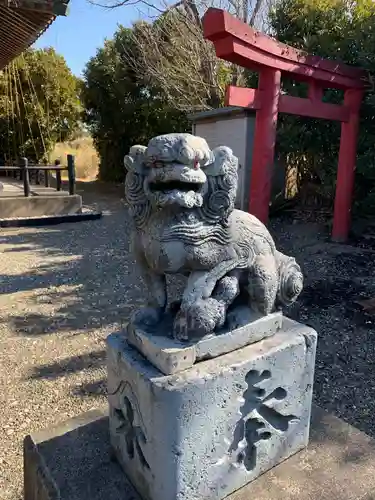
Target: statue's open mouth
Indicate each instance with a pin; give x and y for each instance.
(167, 187)
(176, 184)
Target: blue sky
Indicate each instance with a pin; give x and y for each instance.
(78, 35)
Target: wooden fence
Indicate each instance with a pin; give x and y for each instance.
(23, 170)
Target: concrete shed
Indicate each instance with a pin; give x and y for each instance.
(235, 127)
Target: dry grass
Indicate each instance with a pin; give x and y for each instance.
(86, 157)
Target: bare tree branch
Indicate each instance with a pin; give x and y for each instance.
(246, 10)
(256, 9)
(172, 54)
(114, 4)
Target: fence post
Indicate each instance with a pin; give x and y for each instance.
(25, 176)
(71, 175)
(58, 176)
(46, 175)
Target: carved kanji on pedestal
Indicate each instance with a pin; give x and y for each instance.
(259, 417)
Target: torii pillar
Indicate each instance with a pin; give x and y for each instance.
(238, 43)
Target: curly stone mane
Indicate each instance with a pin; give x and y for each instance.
(222, 179)
(139, 204)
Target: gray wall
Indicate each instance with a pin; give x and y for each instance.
(229, 119)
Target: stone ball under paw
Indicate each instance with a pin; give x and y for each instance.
(205, 316)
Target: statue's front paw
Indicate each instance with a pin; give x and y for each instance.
(147, 316)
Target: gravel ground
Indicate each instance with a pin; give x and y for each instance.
(336, 277)
(64, 288)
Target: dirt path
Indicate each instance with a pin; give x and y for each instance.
(64, 288)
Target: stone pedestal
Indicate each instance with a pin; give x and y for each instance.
(208, 430)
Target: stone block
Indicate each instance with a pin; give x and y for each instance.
(38, 206)
(71, 461)
(207, 431)
(171, 356)
(338, 464)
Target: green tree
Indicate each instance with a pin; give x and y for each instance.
(342, 30)
(121, 107)
(39, 104)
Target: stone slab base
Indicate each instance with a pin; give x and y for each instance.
(208, 430)
(37, 206)
(170, 356)
(72, 461)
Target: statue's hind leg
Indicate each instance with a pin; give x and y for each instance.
(263, 284)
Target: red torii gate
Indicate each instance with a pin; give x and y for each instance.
(238, 43)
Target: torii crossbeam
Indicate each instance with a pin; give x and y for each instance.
(238, 43)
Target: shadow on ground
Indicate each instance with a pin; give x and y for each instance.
(86, 269)
(72, 364)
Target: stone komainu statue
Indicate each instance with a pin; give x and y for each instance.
(181, 197)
